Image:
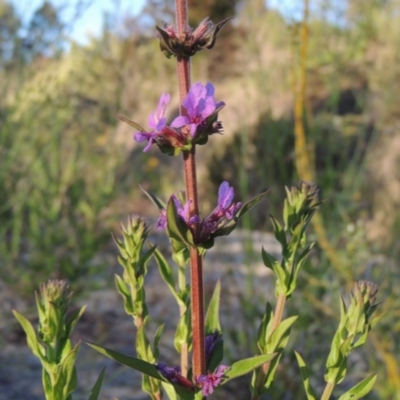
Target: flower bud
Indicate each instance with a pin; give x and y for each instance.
(190, 42)
(52, 304)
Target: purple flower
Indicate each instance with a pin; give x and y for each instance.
(223, 213)
(210, 381)
(156, 121)
(183, 212)
(162, 220)
(214, 223)
(173, 374)
(210, 342)
(200, 104)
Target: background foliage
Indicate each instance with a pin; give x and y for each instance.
(69, 171)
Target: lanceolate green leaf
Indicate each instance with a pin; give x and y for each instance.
(360, 390)
(245, 366)
(211, 322)
(161, 205)
(94, 394)
(143, 367)
(169, 390)
(73, 319)
(280, 336)
(67, 380)
(166, 274)
(36, 348)
(311, 395)
(250, 204)
(132, 362)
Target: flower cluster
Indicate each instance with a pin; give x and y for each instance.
(215, 222)
(190, 42)
(207, 382)
(199, 122)
(210, 381)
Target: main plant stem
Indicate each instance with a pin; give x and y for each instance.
(189, 159)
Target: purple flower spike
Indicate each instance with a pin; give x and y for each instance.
(200, 104)
(210, 381)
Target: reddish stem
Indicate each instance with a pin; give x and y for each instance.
(189, 159)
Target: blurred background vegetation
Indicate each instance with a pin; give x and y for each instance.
(70, 171)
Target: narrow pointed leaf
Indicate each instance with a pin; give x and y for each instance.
(131, 123)
(169, 390)
(166, 274)
(157, 338)
(33, 344)
(360, 390)
(73, 319)
(245, 366)
(211, 322)
(250, 204)
(161, 205)
(279, 233)
(95, 392)
(310, 392)
(131, 362)
(280, 336)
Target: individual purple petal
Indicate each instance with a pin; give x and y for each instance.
(142, 136)
(180, 121)
(157, 119)
(225, 195)
(210, 89)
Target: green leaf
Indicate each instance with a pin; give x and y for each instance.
(250, 204)
(280, 335)
(169, 390)
(125, 293)
(176, 227)
(157, 338)
(143, 346)
(73, 319)
(94, 393)
(311, 395)
(67, 381)
(211, 322)
(183, 330)
(245, 366)
(166, 274)
(131, 123)
(268, 259)
(265, 325)
(279, 233)
(36, 348)
(161, 205)
(361, 389)
(148, 254)
(131, 362)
